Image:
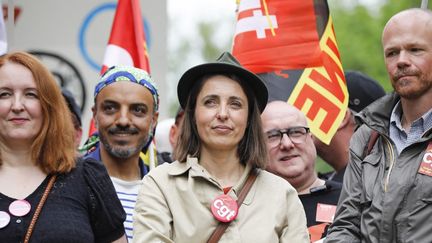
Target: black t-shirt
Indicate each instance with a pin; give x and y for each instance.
(333, 176)
(82, 206)
(327, 195)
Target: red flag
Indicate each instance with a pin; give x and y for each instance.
(126, 45)
(277, 37)
(291, 44)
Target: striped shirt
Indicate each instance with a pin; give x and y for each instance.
(127, 192)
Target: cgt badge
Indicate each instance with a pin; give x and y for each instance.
(224, 208)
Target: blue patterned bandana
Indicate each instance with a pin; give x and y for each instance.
(131, 74)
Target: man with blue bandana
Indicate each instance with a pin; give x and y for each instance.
(125, 113)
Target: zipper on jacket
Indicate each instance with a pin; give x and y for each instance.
(392, 162)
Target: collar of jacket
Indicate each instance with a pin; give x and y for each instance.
(196, 170)
(377, 115)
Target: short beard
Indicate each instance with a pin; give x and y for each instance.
(122, 153)
(423, 86)
(413, 94)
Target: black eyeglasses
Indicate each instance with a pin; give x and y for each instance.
(296, 134)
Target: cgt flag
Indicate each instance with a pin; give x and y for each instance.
(291, 44)
(127, 44)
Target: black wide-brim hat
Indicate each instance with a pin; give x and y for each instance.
(225, 64)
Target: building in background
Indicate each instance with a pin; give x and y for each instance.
(70, 37)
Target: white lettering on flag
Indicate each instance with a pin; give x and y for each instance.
(257, 22)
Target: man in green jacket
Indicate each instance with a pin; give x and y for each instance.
(387, 191)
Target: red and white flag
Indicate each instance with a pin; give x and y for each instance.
(291, 45)
(127, 43)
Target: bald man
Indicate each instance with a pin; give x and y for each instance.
(292, 156)
(387, 192)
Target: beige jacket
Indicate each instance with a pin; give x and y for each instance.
(174, 206)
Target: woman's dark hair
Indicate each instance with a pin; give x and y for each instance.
(252, 147)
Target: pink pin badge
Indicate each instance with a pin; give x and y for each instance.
(4, 219)
(224, 208)
(19, 208)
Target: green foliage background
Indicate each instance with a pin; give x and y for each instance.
(358, 31)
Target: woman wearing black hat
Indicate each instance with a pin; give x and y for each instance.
(217, 188)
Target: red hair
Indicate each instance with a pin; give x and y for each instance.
(53, 148)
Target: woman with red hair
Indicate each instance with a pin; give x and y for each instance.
(46, 193)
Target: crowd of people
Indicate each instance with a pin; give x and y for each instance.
(234, 167)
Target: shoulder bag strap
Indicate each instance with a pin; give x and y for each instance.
(39, 208)
(372, 140)
(220, 229)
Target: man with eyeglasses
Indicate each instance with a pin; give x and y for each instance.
(292, 156)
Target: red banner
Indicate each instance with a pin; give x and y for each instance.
(127, 44)
(291, 44)
(276, 35)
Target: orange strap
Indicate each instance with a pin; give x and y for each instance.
(39, 208)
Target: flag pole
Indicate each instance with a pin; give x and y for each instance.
(424, 4)
(10, 25)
